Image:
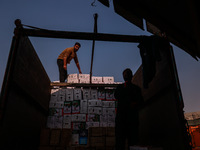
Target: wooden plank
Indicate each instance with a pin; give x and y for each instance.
(82, 35)
(64, 84)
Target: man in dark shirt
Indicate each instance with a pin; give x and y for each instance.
(129, 99)
(65, 57)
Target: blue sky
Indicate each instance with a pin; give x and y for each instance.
(110, 58)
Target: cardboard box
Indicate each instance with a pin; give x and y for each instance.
(69, 94)
(56, 104)
(97, 141)
(58, 122)
(83, 140)
(110, 131)
(73, 76)
(108, 111)
(75, 139)
(95, 110)
(110, 141)
(84, 106)
(73, 81)
(84, 80)
(108, 80)
(93, 118)
(44, 137)
(97, 131)
(77, 94)
(65, 138)
(110, 94)
(78, 126)
(101, 94)
(67, 125)
(94, 94)
(75, 106)
(78, 117)
(86, 94)
(94, 103)
(84, 76)
(108, 104)
(55, 112)
(55, 137)
(67, 108)
(92, 124)
(97, 79)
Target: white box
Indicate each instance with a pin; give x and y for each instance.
(97, 79)
(58, 121)
(103, 124)
(77, 94)
(62, 92)
(84, 106)
(95, 110)
(50, 122)
(92, 124)
(75, 139)
(94, 102)
(73, 81)
(67, 118)
(84, 76)
(56, 104)
(84, 80)
(108, 104)
(108, 80)
(67, 125)
(93, 118)
(54, 94)
(111, 118)
(108, 111)
(69, 94)
(103, 118)
(78, 117)
(94, 94)
(73, 76)
(61, 98)
(86, 94)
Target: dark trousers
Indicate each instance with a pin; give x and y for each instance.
(126, 132)
(62, 71)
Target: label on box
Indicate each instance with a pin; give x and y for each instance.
(110, 94)
(75, 139)
(101, 94)
(75, 106)
(93, 118)
(67, 109)
(55, 111)
(79, 117)
(92, 124)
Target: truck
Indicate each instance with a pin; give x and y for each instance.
(25, 96)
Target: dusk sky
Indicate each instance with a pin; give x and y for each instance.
(110, 58)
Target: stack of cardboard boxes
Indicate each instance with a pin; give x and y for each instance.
(85, 78)
(82, 113)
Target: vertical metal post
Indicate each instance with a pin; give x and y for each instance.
(93, 44)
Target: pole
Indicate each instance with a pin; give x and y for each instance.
(93, 45)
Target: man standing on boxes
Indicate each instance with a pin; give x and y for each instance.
(65, 57)
(129, 99)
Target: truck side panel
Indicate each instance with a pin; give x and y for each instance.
(25, 99)
(161, 118)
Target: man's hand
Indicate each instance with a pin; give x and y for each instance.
(65, 67)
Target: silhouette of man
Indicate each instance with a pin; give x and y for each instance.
(129, 99)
